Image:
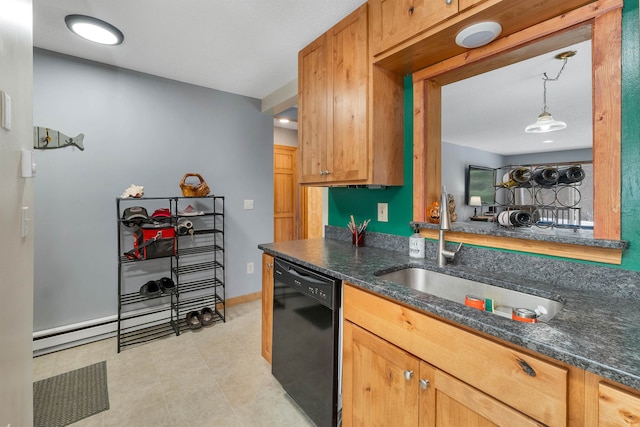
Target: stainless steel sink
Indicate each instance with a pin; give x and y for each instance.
(456, 289)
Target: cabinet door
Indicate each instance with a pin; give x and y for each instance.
(347, 147)
(267, 305)
(617, 407)
(375, 388)
(459, 405)
(313, 84)
(395, 21)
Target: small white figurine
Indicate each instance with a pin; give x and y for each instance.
(133, 191)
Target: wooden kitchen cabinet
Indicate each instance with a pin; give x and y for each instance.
(267, 305)
(617, 407)
(609, 405)
(394, 21)
(385, 385)
(338, 139)
(479, 375)
(375, 390)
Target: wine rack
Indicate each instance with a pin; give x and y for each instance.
(541, 195)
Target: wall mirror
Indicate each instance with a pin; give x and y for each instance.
(600, 28)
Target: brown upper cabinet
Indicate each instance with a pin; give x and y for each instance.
(394, 21)
(343, 137)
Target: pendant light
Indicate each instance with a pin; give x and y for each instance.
(545, 122)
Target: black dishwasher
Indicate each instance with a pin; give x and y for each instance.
(306, 327)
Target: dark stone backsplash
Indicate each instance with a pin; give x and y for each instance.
(571, 274)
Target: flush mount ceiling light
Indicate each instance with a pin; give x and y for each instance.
(478, 35)
(94, 29)
(545, 122)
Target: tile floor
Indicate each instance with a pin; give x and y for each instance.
(211, 377)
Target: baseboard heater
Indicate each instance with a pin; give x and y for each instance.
(60, 338)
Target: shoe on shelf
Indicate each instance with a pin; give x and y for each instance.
(150, 289)
(190, 211)
(207, 316)
(167, 285)
(194, 320)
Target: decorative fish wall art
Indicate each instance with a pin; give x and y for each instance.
(45, 139)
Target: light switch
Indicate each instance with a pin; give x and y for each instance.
(383, 212)
(5, 110)
(24, 232)
(248, 204)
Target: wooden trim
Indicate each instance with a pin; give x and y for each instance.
(419, 151)
(230, 302)
(607, 100)
(565, 250)
(601, 20)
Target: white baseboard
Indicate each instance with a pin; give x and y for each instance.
(67, 336)
(54, 339)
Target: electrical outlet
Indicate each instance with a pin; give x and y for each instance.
(249, 268)
(248, 204)
(383, 212)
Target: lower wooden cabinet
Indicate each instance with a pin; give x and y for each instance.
(267, 305)
(609, 404)
(379, 381)
(384, 385)
(390, 350)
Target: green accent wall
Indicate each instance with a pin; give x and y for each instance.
(631, 134)
(362, 203)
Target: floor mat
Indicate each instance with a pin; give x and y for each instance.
(66, 398)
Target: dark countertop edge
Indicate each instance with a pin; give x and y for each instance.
(481, 322)
(492, 229)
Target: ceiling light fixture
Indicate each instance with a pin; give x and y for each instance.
(545, 122)
(284, 120)
(478, 35)
(94, 29)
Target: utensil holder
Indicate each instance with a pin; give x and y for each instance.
(357, 239)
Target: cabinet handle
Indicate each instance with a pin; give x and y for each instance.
(269, 265)
(527, 368)
(321, 173)
(424, 384)
(408, 375)
(448, 1)
(411, 9)
(327, 172)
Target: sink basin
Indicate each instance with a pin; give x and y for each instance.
(456, 289)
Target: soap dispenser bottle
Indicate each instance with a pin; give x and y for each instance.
(417, 247)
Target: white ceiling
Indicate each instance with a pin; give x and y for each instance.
(490, 111)
(246, 47)
(250, 48)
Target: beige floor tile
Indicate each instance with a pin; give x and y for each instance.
(214, 376)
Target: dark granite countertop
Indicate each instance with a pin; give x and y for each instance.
(597, 330)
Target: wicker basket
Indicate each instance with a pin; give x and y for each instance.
(190, 190)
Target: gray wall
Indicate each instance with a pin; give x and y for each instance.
(143, 130)
(283, 136)
(455, 160)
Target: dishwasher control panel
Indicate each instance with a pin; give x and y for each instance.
(316, 285)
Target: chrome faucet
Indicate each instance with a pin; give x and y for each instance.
(445, 224)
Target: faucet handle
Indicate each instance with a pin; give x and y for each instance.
(458, 248)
